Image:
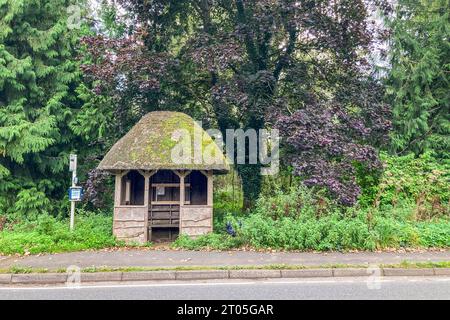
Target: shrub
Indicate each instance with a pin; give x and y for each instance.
(423, 181)
(435, 233)
(325, 233)
(298, 202)
(301, 220)
(30, 203)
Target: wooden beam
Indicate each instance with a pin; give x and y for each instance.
(181, 202)
(146, 198)
(181, 173)
(182, 191)
(147, 172)
(169, 185)
(147, 187)
(163, 202)
(210, 188)
(177, 173)
(118, 189)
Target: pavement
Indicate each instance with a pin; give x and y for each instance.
(401, 288)
(184, 258)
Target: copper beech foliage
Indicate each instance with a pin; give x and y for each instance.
(299, 65)
(324, 142)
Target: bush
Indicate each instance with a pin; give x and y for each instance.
(293, 204)
(326, 233)
(423, 181)
(31, 201)
(302, 220)
(435, 233)
(48, 234)
(227, 202)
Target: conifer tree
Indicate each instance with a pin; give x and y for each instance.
(38, 76)
(419, 81)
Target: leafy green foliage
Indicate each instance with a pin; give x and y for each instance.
(331, 232)
(38, 74)
(227, 200)
(434, 233)
(31, 203)
(326, 233)
(301, 220)
(48, 234)
(89, 123)
(423, 181)
(212, 241)
(288, 204)
(420, 75)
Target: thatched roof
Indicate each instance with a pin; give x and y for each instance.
(149, 144)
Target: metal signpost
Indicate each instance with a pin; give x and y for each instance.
(75, 193)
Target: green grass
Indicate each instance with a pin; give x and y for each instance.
(411, 265)
(404, 264)
(213, 241)
(50, 235)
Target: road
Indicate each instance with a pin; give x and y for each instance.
(320, 288)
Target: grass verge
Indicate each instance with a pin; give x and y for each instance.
(403, 264)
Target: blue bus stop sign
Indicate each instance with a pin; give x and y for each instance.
(75, 193)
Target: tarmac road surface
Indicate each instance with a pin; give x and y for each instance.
(320, 288)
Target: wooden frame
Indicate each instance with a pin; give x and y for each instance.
(192, 227)
(210, 189)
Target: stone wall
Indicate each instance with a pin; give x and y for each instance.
(196, 220)
(129, 223)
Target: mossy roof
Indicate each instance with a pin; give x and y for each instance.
(148, 145)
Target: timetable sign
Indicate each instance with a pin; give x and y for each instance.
(75, 193)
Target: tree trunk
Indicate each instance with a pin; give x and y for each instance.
(251, 183)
